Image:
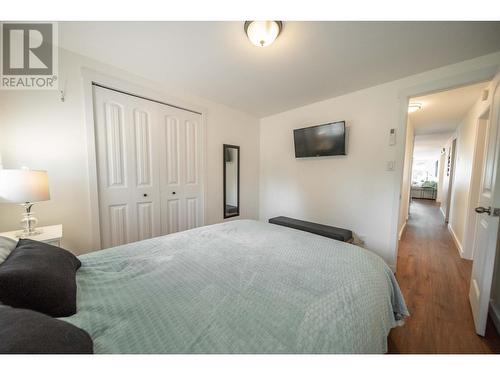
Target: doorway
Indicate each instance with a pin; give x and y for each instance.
(434, 270)
(446, 160)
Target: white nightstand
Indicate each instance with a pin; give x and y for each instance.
(51, 234)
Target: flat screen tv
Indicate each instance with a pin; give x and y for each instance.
(321, 140)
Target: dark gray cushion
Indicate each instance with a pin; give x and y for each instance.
(39, 277)
(320, 229)
(29, 332)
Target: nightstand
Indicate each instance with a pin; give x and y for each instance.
(51, 234)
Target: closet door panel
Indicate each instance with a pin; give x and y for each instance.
(171, 170)
(172, 158)
(145, 220)
(192, 220)
(193, 188)
(192, 150)
(128, 175)
(114, 134)
(118, 224)
(149, 164)
(143, 156)
(171, 216)
(181, 170)
(145, 193)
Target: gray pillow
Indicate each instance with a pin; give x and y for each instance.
(29, 332)
(6, 247)
(40, 277)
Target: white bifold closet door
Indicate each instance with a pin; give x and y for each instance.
(149, 167)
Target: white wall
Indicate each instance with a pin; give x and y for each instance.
(354, 191)
(407, 172)
(39, 131)
(466, 141)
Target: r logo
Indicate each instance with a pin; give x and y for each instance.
(27, 49)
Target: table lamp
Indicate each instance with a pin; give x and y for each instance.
(26, 187)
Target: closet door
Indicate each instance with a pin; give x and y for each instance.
(180, 170)
(127, 146)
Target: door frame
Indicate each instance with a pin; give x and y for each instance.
(453, 141)
(430, 87)
(146, 91)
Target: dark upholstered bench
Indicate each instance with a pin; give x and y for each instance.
(319, 229)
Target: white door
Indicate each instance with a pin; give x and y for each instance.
(128, 171)
(485, 244)
(149, 168)
(180, 170)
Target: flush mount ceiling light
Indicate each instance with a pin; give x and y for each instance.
(414, 107)
(263, 33)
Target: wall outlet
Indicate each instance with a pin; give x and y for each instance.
(390, 165)
(359, 240)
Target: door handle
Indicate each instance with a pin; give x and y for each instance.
(482, 210)
(145, 195)
(173, 192)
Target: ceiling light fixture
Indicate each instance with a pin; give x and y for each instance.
(262, 33)
(414, 107)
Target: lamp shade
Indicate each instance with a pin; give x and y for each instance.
(23, 185)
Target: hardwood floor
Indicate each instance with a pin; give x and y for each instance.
(435, 283)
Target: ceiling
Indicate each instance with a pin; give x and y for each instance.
(442, 112)
(428, 146)
(310, 61)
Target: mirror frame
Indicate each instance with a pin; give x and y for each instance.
(237, 148)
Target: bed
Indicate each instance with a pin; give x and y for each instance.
(238, 287)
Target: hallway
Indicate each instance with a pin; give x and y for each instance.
(435, 283)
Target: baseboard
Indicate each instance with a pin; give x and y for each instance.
(457, 242)
(402, 230)
(495, 316)
(442, 212)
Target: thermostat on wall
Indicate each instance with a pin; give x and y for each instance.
(392, 137)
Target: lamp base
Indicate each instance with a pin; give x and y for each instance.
(28, 222)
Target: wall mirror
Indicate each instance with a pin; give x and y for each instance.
(231, 180)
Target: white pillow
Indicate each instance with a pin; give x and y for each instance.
(6, 247)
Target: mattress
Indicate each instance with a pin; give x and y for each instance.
(238, 287)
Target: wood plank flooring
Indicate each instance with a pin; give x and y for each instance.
(435, 283)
